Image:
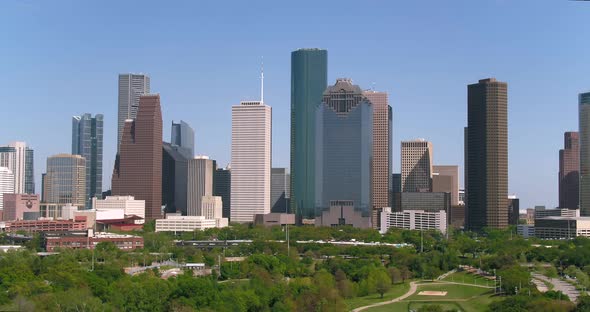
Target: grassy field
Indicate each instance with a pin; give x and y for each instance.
(395, 291)
(453, 292)
(468, 278)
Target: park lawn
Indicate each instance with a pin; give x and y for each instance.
(476, 304)
(454, 291)
(468, 278)
(446, 306)
(395, 291)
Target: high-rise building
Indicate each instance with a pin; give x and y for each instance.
(138, 167)
(250, 160)
(6, 184)
(416, 165)
(87, 138)
(486, 162)
(569, 171)
(309, 79)
(584, 130)
(396, 183)
(222, 188)
(446, 179)
(65, 180)
(29, 171)
(513, 209)
(131, 88)
(15, 156)
(382, 152)
(183, 136)
(199, 183)
(344, 148)
(174, 178)
(279, 189)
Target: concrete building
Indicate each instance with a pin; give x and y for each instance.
(274, 219)
(279, 190)
(562, 227)
(131, 88)
(343, 213)
(89, 240)
(212, 207)
(138, 168)
(428, 201)
(309, 79)
(129, 205)
(569, 171)
(87, 140)
(541, 212)
(382, 152)
(176, 223)
(21, 207)
(45, 225)
(486, 150)
(584, 146)
(250, 160)
(416, 165)
(174, 178)
(183, 136)
(57, 211)
(344, 149)
(222, 188)
(446, 179)
(200, 183)
(6, 183)
(17, 157)
(413, 220)
(65, 180)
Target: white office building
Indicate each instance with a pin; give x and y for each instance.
(129, 205)
(6, 184)
(413, 220)
(178, 223)
(199, 183)
(13, 157)
(250, 160)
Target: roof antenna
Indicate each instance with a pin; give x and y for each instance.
(262, 82)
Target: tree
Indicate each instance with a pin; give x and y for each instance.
(430, 308)
(395, 275)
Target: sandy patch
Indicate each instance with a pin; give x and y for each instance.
(432, 293)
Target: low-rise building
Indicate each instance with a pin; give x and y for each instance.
(89, 240)
(541, 212)
(274, 218)
(342, 212)
(413, 220)
(130, 205)
(562, 227)
(46, 225)
(21, 207)
(178, 223)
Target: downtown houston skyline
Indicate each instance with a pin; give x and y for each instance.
(423, 59)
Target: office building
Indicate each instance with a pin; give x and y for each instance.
(562, 227)
(569, 171)
(45, 225)
(183, 136)
(513, 210)
(174, 178)
(382, 152)
(177, 223)
(428, 201)
(413, 220)
(446, 179)
(309, 79)
(416, 165)
(211, 207)
(343, 213)
(6, 183)
(129, 205)
(584, 145)
(87, 138)
(396, 183)
(486, 149)
(222, 188)
(90, 239)
(17, 157)
(541, 212)
(274, 219)
(279, 189)
(344, 148)
(65, 180)
(131, 88)
(138, 168)
(199, 183)
(250, 160)
(20, 207)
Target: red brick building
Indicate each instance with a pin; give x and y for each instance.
(569, 171)
(34, 226)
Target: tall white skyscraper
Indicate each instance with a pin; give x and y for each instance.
(131, 87)
(13, 156)
(199, 183)
(250, 160)
(6, 184)
(416, 166)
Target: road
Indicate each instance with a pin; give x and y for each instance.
(411, 291)
(559, 285)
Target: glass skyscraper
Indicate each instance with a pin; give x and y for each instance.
(183, 135)
(87, 139)
(29, 171)
(309, 79)
(344, 148)
(584, 133)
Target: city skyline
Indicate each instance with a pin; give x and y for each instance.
(533, 186)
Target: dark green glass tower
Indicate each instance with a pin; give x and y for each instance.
(309, 79)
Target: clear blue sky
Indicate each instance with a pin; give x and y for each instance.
(61, 58)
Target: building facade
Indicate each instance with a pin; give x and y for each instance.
(416, 165)
(21, 207)
(6, 184)
(222, 188)
(65, 180)
(449, 176)
(279, 189)
(87, 141)
(309, 79)
(17, 157)
(486, 161)
(131, 88)
(183, 136)
(344, 148)
(513, 210)
(174, 178)
(584, 145)
(129, 205)
(200, 183)
(176, 223)
(569, 171)
(211, 207)
(138, 167)
(427, 201)
(250, 160)
(29, 170)
(414, 220)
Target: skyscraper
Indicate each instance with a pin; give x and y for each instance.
(200, 183)
(584, 129)
(183, 136)
(569, 171)
(487, 155)
(250, 160)
(65, 180)
(279, 190)
(138, 167)
(87, 138)
(382, 152)
(416, 164)
(174, 178)
(309, 79)
(29, 171)
(6, 184)
(15, 157)
(222, 188)
(344, 147)
(450, 174)
(131, 88)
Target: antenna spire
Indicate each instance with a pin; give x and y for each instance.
(262, 82)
